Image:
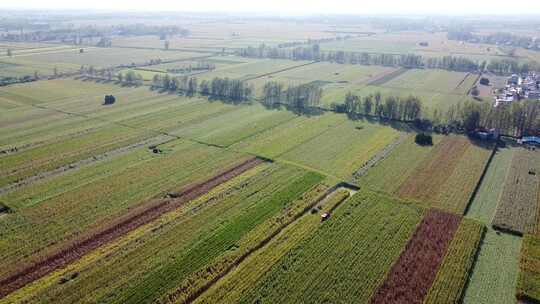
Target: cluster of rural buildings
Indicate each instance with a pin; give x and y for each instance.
(519, 87)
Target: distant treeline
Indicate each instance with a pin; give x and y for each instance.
(198, 66)
(232, 90)
(4, 81)
(500, 38)
(84, 34)
(314, 52)
(451, 63)
(509, 66)
(314, 41)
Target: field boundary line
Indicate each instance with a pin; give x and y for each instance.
(481, 179)
(475, 261)
(381, 155)
(379, 81)
(278, 71)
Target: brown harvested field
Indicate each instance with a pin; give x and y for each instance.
(425, 182)
(412, 275)
(518, 204)
(134, 219)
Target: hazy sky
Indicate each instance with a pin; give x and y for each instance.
(295, 6)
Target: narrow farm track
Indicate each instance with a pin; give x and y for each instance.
(414, 272)
(117, 229)
(279, 71)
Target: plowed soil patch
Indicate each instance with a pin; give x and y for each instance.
(136, 218)
(413, 273)
(426, 181)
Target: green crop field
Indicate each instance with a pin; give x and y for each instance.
(529, 274)
(494, 276)
(438, 81)
(485, 203)
(452, 276)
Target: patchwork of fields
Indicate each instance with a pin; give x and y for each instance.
(166, 198)
(114, 211)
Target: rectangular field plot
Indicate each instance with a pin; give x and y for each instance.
(442, 176)
(286, 136)
(485, 202)
(182, 251)
(493, 278)
(439, 81)
(252, 68)
(414, 272)
(343, 149)
(375, 229)
(517, 208)
(528, 284)
(233, 126)
(449, 285)
(325, 74)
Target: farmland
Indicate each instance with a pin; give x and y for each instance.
(298, 277)
(518, 206)
(431, 174)
(196, 158)
(527, 286)
(494, 276)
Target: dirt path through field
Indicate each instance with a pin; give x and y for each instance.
(116, 229)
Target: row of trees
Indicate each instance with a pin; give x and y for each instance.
(391, 107)
(508, 66)
(4, 81)
(302, 97)
(514, 119)
(78, 34)
(314, 52)
(197, 66)
(235, 91)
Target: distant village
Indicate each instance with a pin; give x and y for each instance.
(519, 87)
